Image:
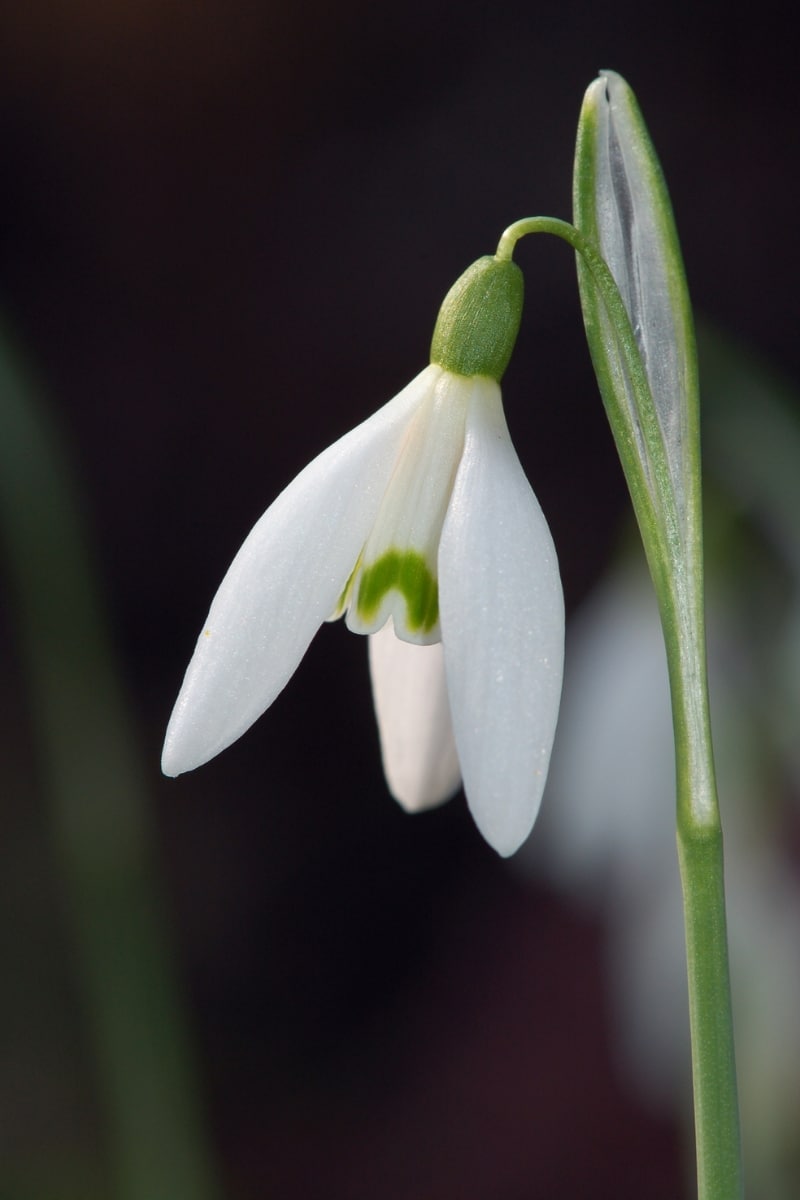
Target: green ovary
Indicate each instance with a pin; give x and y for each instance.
(409, 574)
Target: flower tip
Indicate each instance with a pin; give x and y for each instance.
(416, 796)
(420, 760)
(187, 743)
(174, 760)
(608, 88)
(506, 827)
(171, 765)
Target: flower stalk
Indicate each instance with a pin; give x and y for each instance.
(622, 208)
(640, 333)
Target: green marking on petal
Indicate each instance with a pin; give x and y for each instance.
(409, 574)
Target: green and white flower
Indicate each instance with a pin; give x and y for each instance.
(420, 527)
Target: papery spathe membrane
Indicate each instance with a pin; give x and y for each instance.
(622, 203)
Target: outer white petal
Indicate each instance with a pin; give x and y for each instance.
(417, 744)
(502, 616)
(284, 582)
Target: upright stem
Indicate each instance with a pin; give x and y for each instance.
(699, 837)
(716, 1115)
(674, 553)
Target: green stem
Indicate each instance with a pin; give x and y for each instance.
(637, 433)
(700, 854)
(716, 1114)
(674, 553)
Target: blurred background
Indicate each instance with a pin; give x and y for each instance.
(225, 230)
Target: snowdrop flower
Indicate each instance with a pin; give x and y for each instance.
(420, 527)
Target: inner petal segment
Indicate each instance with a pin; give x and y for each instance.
(397, 574)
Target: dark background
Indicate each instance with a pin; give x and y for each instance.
(225, 231)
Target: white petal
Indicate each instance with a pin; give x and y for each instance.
(417, 745)
(284, 582)
(502, 616)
